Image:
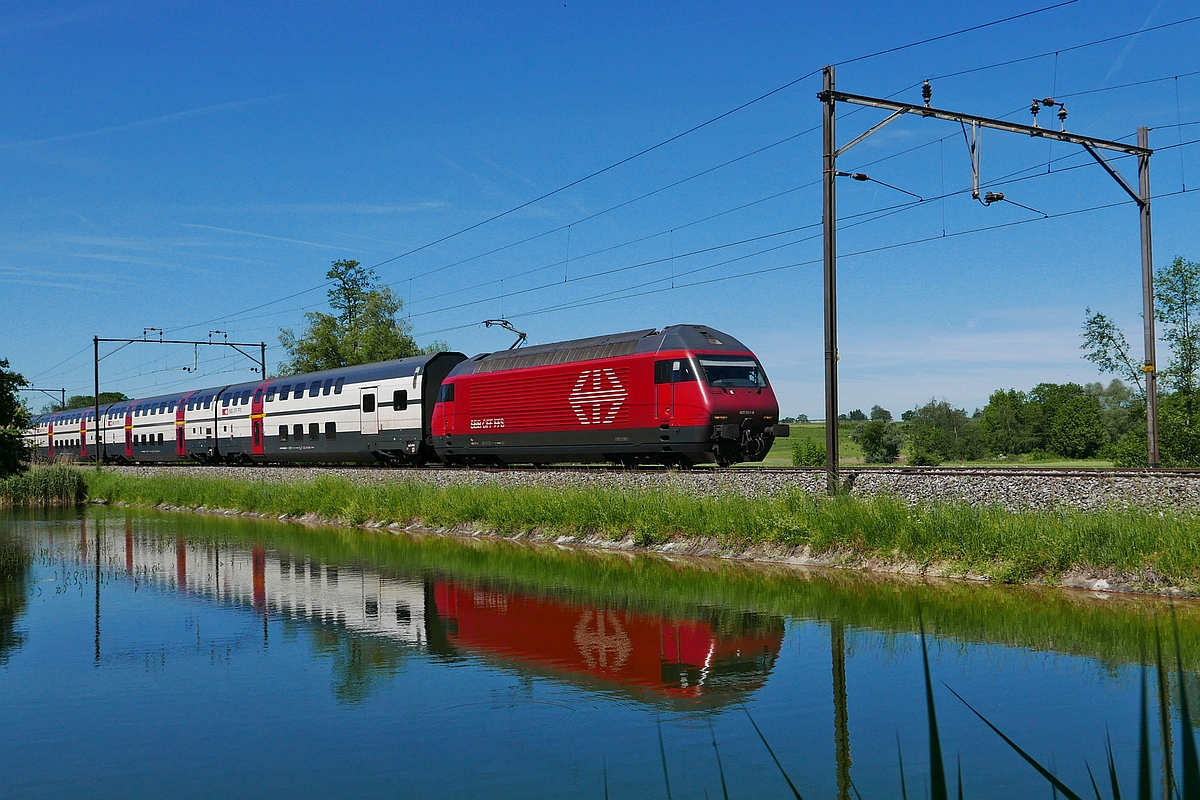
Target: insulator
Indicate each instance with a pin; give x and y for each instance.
(1034, 108)
(927, 92)
(1062, 116)
(993, 197)
(860, 176)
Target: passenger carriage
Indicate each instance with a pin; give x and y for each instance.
(373, 412)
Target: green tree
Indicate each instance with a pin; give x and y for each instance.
(857, 416)
(1105, 346)
(1077, 430)
(85, 401)
(1042, 405)
(939, 432)
(1004, 425)
(364, 329)
(1121, 407)
(1177, 296)
(14, 419)
(880, 441)
(879, 412)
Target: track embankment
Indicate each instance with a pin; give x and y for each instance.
(1011, 489)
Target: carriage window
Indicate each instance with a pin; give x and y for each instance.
(338, 384)
(207, 400)
(271, 394)
(314, 430)
(191, 405)
(283, 391)
(314, 388)
(297, 431)
(328, 386)
(257, 395)
(368, 403)
(245, 397)
(171, 407)
(299, 391)
(160, 438)
(283, 432)
(225, 402)
(733, 372)
(400, 399)
(330, 430)
(446, 393)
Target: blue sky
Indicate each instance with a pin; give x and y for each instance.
(175, 164)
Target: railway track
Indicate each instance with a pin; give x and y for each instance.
(845, 472)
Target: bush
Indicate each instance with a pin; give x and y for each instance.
(48, 486)
(879, 439)
(807, 453)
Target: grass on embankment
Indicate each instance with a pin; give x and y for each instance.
(1005, 545)
(45, 486)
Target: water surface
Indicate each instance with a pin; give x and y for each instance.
(143, 654)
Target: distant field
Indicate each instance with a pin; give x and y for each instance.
(850, 453)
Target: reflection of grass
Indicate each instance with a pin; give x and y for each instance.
(732, 594)
(1007, 546)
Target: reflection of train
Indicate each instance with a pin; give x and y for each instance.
(651, 657)
(686, 394)
(678, 659)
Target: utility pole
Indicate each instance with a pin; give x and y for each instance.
(1150, 369)
(96, 340)
(60, 392)
(830, 97)
(99, 461)
(829, 223)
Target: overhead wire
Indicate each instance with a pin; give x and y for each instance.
(725, 114)
(664, 142)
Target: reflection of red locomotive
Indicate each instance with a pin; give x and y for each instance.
(673, 659)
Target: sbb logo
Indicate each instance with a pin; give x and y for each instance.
(597, 396)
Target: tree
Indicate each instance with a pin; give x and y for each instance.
(1077, 430)
(879, 412)
(1122, 409)
(879, 439)
(939, 432)
(1043, 403)
(1105, 346)
(365, 328)
(1004, 425)
(1177, 296)
(85, 401)
(14, 419)
(908, 415)
(857, 416)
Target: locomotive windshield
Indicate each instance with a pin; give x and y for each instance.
(733, 372)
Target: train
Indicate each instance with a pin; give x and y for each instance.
(681, 396)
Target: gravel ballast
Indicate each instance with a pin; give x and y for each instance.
(1014, 491)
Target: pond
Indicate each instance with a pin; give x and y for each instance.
(145, 653)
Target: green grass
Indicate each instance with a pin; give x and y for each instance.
(1004, 545)
(850, 454)
(45, 486)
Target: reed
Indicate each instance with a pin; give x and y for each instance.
(1163, 548)
(55, 485)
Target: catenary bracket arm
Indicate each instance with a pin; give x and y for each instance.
(895, 116)
(1116, 175)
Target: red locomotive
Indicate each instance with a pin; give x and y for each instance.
(683, 395)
